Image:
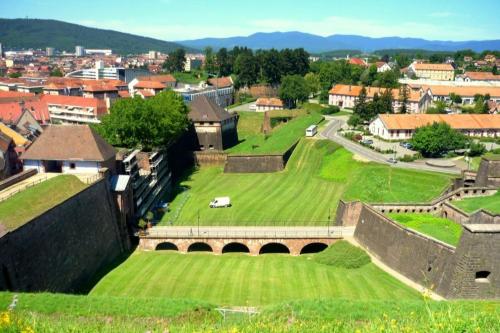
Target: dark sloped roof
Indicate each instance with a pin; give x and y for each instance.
(204, 109)
(70, 142)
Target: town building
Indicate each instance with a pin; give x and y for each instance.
(358, 62)
(79, 51)
(216, 129)
(382, 66)
(403, 126)
(49, 51)
(268, 104)
(345, 96)
(440, 72)
(223, 96)
(146, 89)
(103, 52)
(467, 93)
(74, 109)
(72, 149)
(110, 73)
(150, 177)
(486, 77)
(192, 63)
(8, 155)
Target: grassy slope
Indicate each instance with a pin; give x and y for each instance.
(440, 228)
(280, 139)
(291, 197)
(239, 279)
(28, 204)
(489, 203)
(66, 313)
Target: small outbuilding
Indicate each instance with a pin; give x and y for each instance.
(69, 149)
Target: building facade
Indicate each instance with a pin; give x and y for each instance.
(403, 126)
(267, 104)
(439, 72)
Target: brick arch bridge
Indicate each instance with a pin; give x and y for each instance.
(252, 240)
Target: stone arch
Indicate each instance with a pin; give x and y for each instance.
(313, 248)
(199, 247)
(166, 246)
(274, 248)
(235, 247)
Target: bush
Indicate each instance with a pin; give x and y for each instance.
(354, 120)
(409, 158)
(331, 109)
(476, 149)
(437, 139)
(344, 255)
(353, 136)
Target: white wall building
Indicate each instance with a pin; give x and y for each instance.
(79, 51)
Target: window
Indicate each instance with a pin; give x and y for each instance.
(211, 147)
(72, 166)
(483, 277)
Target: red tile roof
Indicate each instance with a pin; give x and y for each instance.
(149, 85)
(100, 87)
(221, 82)
(357, 61)
(10, 112)
(433, 67)
(269, 102)
(124, 93)
(163, 78)
(481, 76)
(456, 121)
(354, 91)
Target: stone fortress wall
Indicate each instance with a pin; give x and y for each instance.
(469, 270)
(64, 249)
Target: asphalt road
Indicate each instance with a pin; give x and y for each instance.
(331, 133)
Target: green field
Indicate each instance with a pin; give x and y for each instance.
(240, 279)
(33, 201)
(278, 141)
(490, 203)
(43, 312)
(306, 193)
(440, 228)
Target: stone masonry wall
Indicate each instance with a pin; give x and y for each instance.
(63, 249)
(420, 258)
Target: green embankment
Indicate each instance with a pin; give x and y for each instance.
(317, 175)
(440, 228)
(490, 203)
(278, 141)
(22, 207)
(66, 313)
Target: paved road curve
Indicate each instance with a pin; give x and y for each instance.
(331, 133)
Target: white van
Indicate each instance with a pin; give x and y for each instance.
(220, 202)
(312, 130)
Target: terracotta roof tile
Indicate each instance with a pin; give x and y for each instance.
(149, 85)
(221, 82)
(456, 121)
(269, 102)
(433, 67)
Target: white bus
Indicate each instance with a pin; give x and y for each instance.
(312, 130)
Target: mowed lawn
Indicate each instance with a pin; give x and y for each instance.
(306, 193)
(252, 141)
(33, 201)
(440, 228)
(490, 203)
(239, 279)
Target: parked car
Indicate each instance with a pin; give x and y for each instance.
(220, 202)
(392, 160)
(367, 142)
(406, 145)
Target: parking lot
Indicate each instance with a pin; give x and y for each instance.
(384, 145)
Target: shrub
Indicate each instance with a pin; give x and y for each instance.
(331, 109)
(409, 158)
(353, 136)
(354, 120)
(476, 149)
(343, 254)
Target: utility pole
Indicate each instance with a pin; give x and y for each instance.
(198, 223)
(328, 228)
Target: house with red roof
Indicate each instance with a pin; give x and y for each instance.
(74, 109)
(358, 62)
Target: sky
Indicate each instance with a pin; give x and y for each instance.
(191, 19)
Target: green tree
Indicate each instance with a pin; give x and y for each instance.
(403, 98)
(361, 106)
(354, 120)
(385, 102)
(15, 75)
(209, 60)
(313, 83)
(455, 98)
(293, 89)
(223, 62)
(494, 70)
(438, 108)
(271, 65)
(56, 72)
(476, 149)
(246, 69)
(175, 61)
(437, 139)
(154, 122)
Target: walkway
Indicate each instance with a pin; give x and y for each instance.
(249, 232)
(331, 133)
(25, 184)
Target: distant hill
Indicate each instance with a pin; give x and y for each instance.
(318, 44)
(36, 33)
